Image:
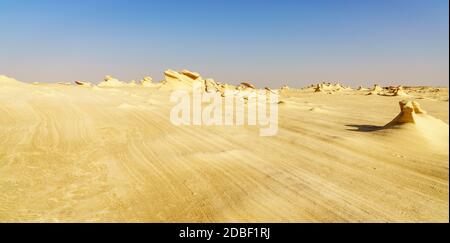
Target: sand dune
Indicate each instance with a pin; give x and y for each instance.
(109, 153)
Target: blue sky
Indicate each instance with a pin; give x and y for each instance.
(267, 42)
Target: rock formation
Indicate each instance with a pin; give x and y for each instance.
(376, 90)
(328, 87)
(319, 88)
(110, 81)
(147, 81)
(84, 84)
(285, 87)
(211, 86)
(225, 89)
(399, 91)
(192, 75)
(409, 112)
(184, 80)
(269, 90)
(245, 86)
(171, 74)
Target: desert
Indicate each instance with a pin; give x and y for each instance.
(106, 151)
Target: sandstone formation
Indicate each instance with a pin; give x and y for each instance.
(110, 81)
(84, 84)
(376, 90)
(147, 81)
(211, 86)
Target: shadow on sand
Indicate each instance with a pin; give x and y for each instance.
(364, 128)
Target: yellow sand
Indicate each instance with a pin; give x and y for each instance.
(81, 154)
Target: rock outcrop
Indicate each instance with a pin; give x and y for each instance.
(408, 113)
(83, 84)
(110, 81)
(399, 91)
(147, 79)
(415, 123)
(319, 88)
(285, 87)
(211, 86)
(245, 86)
(328, 87)
(183, 80)
(376, 90)
(192, 75)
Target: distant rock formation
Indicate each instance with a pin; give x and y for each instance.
(147, 81)
(285, 87)
(211, 86)
(399, 91)
(269, 91)
(184, 80)
(110, 81)
(64, 83)
(328, 87)
(319, 88)
(376, 90)
(171, 74)
(84, 84)
(245, 86)
(132, 83)
(360, 88)
(192, 75)
(225, 89)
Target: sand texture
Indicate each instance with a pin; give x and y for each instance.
(108, 153)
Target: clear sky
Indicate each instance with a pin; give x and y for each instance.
(268, 42)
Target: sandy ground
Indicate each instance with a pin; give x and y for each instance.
(78, 154)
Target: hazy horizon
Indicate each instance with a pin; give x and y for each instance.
(269, 43)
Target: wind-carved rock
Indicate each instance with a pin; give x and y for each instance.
(110, 81)
(399, 91)
(192, 75)
(376, 90)
(245, 86)
(211, 86)
(183, 80)
(409, 110)
(147, 81)
(84, 84)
